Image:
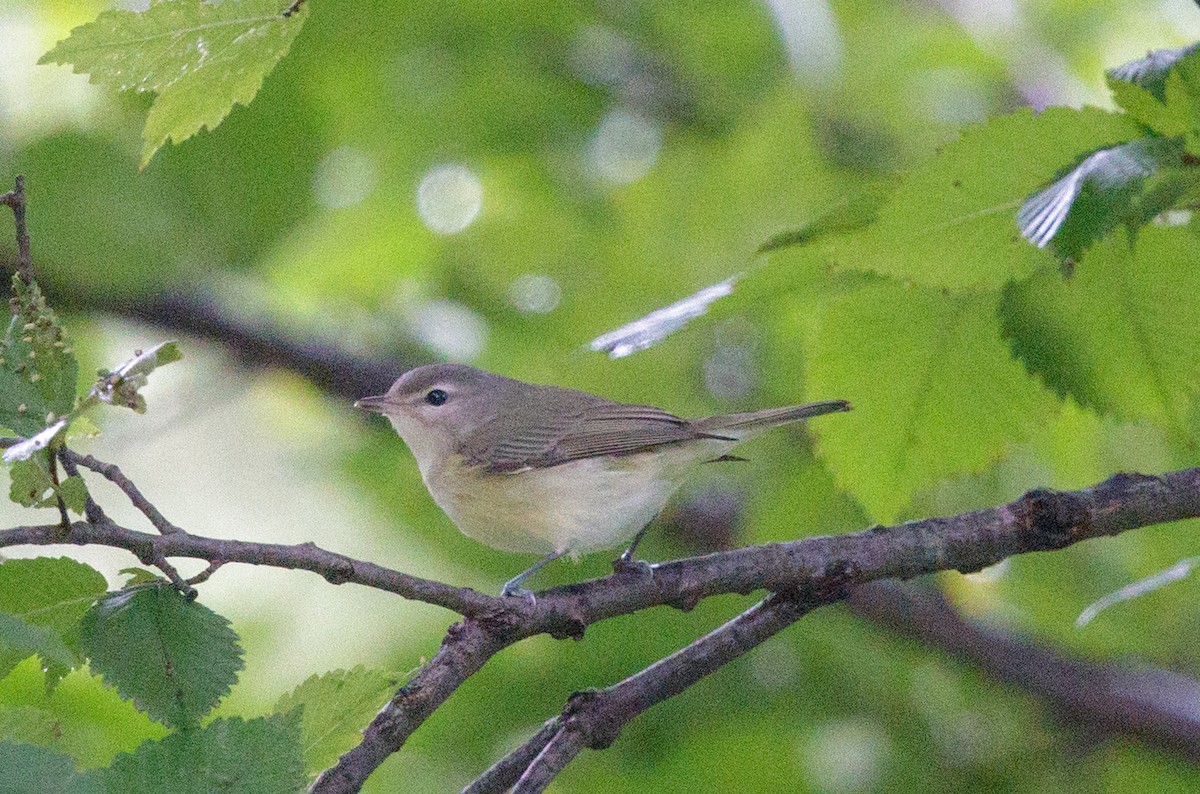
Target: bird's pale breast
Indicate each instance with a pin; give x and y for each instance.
(582, 506)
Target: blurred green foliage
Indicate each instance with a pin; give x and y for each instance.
(620, 156)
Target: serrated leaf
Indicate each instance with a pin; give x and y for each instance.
(30, 484)
(1151, 72)
(20, 640)
(1128, 184)
(121, 386)
(934, 388)
(29, 769)
(1161, 90)
(173, 658)
(949, 223)
(39, 441)
(335, 707)
(53, 593)
(229, 755)
(1120, 334)
(200, 58)
(38, 370)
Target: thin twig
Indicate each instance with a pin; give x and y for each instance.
(15, 198)
(91, 510)
(62, 506)
(503, 775)
(554, 757)
(212, 568)
(335, 568)
(113, 474)
(182, 585)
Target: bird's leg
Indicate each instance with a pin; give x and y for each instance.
(513, 586)
(626, 562)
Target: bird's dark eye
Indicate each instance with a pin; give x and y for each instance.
(436, 397)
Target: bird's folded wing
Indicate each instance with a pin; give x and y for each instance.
(587, 431)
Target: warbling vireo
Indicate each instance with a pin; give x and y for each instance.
(527, 468)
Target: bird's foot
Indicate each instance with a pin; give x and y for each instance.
(512, 589)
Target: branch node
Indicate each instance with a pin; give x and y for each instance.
(1052, 519)
(588, 713)
(340, 572)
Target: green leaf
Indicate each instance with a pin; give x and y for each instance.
(1151, 72)
(29, 724)
(335, 707)
(53, 593)
(1120, 334)
(21, 640)
(1127, 184)
(935, 390)
(29, 769)
(229, 755)
(139, 576)
(38, 370)
(74, 493)
(30, 482)
(122, 385)
(1161, 90)
(173, 658)
(200, 58)
(950, 222)
(848, 215)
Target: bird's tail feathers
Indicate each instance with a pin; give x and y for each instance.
(768, 417)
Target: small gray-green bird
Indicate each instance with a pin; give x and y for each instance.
(528, 468)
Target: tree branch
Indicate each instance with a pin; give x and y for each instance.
(1156, 707)
(554, 757)
(504, 774)
(15, 198)
(335, 568)
(1038, 521)
(110, 472)
(595, 719)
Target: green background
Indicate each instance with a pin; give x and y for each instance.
(724, 123)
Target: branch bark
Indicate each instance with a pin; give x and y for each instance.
(15, 199)
(1038, 521)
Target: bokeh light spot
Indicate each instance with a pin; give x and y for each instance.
(449, 198)
(624, 148)
(344, 178)
(535, 294)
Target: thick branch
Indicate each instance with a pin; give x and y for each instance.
(1156, 707)
(1039, 521)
